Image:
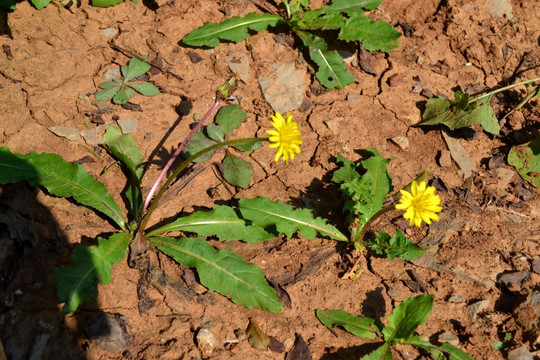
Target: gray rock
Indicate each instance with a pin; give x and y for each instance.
(109, 331)
(456, 299)
(500, 8)
(93, 136)
(477, 308)
(460, 155)
(448, 337)
(39, 346)
(536, 266)
(240, 68)
(283, 88)
(521, 353)
(69, 133)
(109, 32)
(445, 160)
(205, 338)
(401, 141)
(127, 126)
(514, 280)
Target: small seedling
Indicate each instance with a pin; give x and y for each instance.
(346, 17)
(40, 4)
(121, 89)
(402, 324)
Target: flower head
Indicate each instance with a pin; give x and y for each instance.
(421, 204)
(285, 137)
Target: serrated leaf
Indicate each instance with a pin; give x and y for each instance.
(526, 159)
(237, 171)
(234, 29)
(357, 325)
(92, 265)
(60, 178)
(125, 149)
(397, 246)
(230, 117)
(107, 95)
(197, 143)
(406, 317)
(266, 213)
(459, 113)
(123, 95)
(105, 3)
(221, 221)
(223, 271)
(347, 173)
(378, 35)
(145, 88)
(332, 72)
(215, 132)
(106, 85)
(351, 7)
(40, 4)
(136, 68)
(383, 352)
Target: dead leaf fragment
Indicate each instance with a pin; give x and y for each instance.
(300, 350)
(256, 337)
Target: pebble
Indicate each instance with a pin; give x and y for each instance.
(284, 87)
(111, 73)
(444, 159)
(127, 126)
(500, 8)
(478, 307)
(240, 68)
(456, 299)
(460, 156)
(513, 280)
(536, 266)
(93, 136)
(69, 133)
(401, 141)
(352, 98)
(206, 341)
(109, 331)
(348, 57)
(448, 337)
(521, 353)
(109, 32)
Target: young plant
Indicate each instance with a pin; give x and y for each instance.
(121, 89)
(346, 17)
(40, 4)
(402, 324)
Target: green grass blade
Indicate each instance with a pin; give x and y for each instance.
(92, 265)
(223, 271)
(357, 325)
(125, 149)
(332, 72)
(221, 221)
(60, 178)
(406, 317)
(266, 213)
(234, 29)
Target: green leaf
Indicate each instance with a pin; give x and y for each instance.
(145, 88)
(107, 95)
(197, 143)
(223, 271)
(454, 353)
(383, 352)
(357, 325)
(332, 72)
(378, 35)
(215, 132)
(264, 212)
(247, 149)
(459, 113)
(351, 7)
(106, 85)
(40, 4)
(234, 29)
(136, 68)
(105, 3)
(237, 171)
(123, 95)
(230, 117)
(398, 245)
(60, 178)
(221, 221)
(406, 317)
(125, 149)
(8, 4)
(92, 265)
(366, 192)
(526, 159)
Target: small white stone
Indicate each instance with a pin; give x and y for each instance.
(205, 338)
(109, 32)
(401, 141)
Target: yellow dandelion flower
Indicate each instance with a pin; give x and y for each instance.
(421, 204)
(285, 137)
